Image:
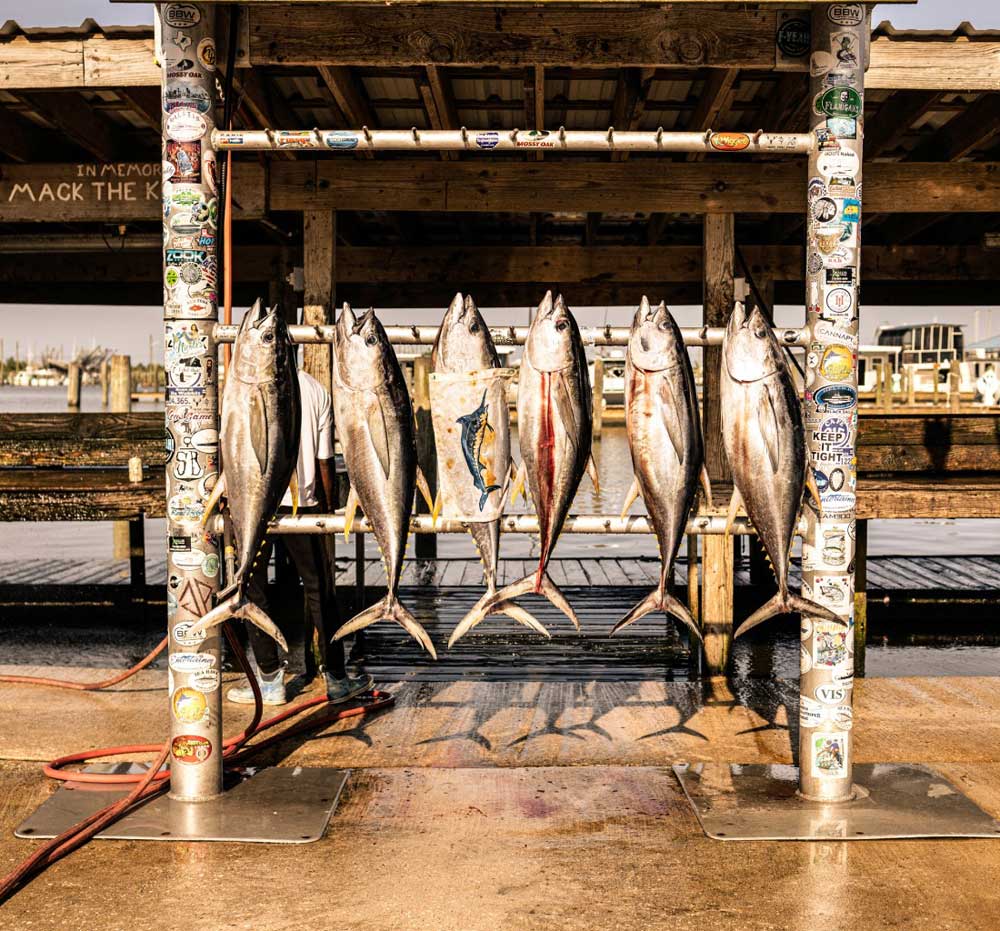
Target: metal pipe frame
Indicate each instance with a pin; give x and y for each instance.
(489, 141)
(190, 310)
(840, 36)
(510, 523)
(516, 335)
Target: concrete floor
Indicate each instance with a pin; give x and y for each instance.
(481, 806)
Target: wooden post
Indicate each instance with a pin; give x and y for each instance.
(911, 386)
(937, 378)
(717, 552)
(74, 378)
(694, 599)
(121, 384)
(598, 394)
(954, 386)
(426, 544)
(860, 596)
(717, 601)
(318, 265)
(105, 382)
(121, 403)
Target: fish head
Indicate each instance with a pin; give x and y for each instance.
(655, 341)
(749, 349)
(263, 345)
(362, 348)
(553, 337)
(464, 343)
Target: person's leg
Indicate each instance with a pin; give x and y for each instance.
(265, 650)
(308, 552)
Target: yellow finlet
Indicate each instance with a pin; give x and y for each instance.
(518, 486)
(218, 491)
(350, 510)
(293, 487)
(630, 497)
(436, 508)
(425, 489)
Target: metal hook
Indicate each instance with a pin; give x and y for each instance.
(465, 136)
(562, 135)
(659, 136)
(367, 134)
(416, 135)
(611, 136)
(513, 135)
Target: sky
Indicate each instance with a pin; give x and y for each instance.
(127, 329)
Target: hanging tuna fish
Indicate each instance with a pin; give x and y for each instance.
(375, 420)
(554, 424)
(259, 440)
(472, 433)
(664, 437)
(764, 440)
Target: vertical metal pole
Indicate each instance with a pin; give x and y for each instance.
(190, 309)
(840, 33)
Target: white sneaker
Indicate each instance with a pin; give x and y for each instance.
(272, 689)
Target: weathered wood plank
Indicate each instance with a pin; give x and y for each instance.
(96, 61)
(115, 192)
(80, 494)
(719, 237)
(941, 64)
(101, 440)
(480, 35)
(639, 185)
(900, 496)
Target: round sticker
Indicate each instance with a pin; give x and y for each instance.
(189, 705)
(182, 636)
(185, 125)
(839, 301)
(841, 161)
(837, 363)
(191, 748)
(206, 53)
(206, 681)
(846, 14)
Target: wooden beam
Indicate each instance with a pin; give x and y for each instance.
(507, 264)
(962, 134)
(717, 306)
(958, 64)
(713, 102)
(87, 128)
(631, 94)
(95, 61)
(639, 185)
(439, 104)
(319, 263)
(479, 35)
(790, 88)
(893, 119)
(145, 103)
(117, 192)
(350, 97)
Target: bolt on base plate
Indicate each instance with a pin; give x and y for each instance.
(891, 800)
(277, 805)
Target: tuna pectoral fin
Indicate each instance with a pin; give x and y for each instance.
(767, 424)
(706, 485)
(734, 505)
(517, 485)
(389, 609)
(350, 512)
(218, 490)
(813, 489)
(592, 472)
(787, 603)
(633, 493)
(239, 607)
(425, 490)
(668, 604)
(293, 487)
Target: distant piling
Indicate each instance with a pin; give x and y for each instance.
(74, 379)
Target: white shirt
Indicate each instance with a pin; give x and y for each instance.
(316, 439)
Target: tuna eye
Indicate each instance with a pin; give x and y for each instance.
(268, 337)
(474, 328)
(760, 332)
(562, 325)
(371, 339)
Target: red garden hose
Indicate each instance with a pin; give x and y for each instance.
(155, 780)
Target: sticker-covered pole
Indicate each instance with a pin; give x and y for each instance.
(190, 311)
(836, 88)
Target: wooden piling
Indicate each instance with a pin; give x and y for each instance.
(74, 378)
(598, 395)
(105, 382)
(426, 545)
(717, 552)
(954, 387)
(319, 257)
(936, 382)
(911, 386)
(121, 403)
(717, 601)
(694, 599)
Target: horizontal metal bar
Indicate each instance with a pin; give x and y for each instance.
(511, 523)
(510, 140)
(516, 335)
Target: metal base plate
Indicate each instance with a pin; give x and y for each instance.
(278, 805)
(892, 800)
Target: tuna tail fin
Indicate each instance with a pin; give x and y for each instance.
(660, 601)
(787, 603)
(479, 612)
(500, 602)
(238, 605)
(389, 608)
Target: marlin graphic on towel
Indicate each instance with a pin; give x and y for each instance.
(474, 430)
